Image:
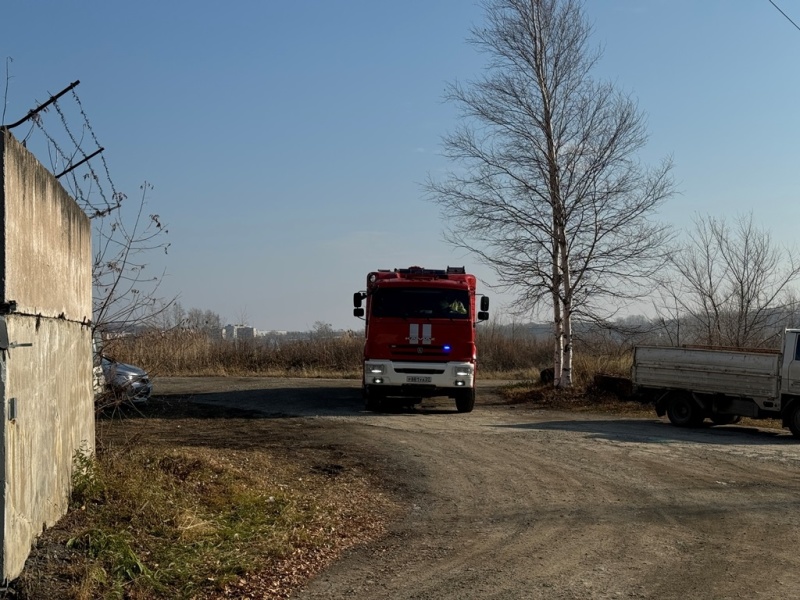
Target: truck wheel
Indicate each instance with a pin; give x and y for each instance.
(372, 402)
(683, 412)
(465, 401)
(794, 420)
(725, 419)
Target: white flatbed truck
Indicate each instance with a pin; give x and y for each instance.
(690, 384)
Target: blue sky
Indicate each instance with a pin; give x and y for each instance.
(286, 141)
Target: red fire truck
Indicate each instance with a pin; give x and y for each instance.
(420, 335)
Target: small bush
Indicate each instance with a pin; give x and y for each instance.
(86, 480)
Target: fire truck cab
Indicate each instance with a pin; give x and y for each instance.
(420, 335)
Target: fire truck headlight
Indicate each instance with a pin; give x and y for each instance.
(375, 369)
(462, 370)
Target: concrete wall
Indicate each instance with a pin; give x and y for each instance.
(46, 401)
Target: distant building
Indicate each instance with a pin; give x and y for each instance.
(245, 332)
(271, 333)
(238, 332)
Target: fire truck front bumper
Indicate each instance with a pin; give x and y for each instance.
(418, 379)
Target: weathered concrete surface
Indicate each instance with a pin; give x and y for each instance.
(45, 268)
(53, 419)
(47, 246)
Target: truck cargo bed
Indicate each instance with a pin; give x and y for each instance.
(729, 372)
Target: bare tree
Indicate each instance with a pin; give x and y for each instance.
(668, 320)
(206, 321)
(170, 316)
(176, 315)
(125, 292)
(732, 283)
(321, 330)
(242, 316)
(549, 192)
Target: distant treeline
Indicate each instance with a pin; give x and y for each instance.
(514, 351)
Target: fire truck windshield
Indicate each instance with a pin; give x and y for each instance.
(428, 303)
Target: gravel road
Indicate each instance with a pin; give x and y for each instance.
(511, 503)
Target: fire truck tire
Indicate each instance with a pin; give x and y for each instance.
(683, 411)
(372, 402)
(465, 401)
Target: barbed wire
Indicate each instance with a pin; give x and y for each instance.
(91, 184)
(114, 192)
(124, 292)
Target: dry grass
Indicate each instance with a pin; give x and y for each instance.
(511, 353)
(576, 399)
(506, 353)
(243, 514)
(178, 352)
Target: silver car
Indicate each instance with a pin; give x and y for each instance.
(128, 380)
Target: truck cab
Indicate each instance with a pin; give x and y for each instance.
(790, 363)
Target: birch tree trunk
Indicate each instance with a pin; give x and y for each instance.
(566, 284)
(558, 323)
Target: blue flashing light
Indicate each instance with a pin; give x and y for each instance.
(446, 348)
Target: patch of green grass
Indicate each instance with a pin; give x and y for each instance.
(162, 523)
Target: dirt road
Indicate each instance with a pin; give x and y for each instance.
(512, 503)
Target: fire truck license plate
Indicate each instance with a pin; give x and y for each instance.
(417, 379)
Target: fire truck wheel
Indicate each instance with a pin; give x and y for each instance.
(465, 401)
(372, 402)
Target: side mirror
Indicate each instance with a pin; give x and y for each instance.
(357, 298)
(484, 304)
(358, 312)
(483, 316)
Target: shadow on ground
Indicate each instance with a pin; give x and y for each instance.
(271, 403)
(660, 432)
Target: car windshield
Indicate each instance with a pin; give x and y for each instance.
(428, 303)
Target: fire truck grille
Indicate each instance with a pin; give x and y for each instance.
(418, 351)
(421, 371)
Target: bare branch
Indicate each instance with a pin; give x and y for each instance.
(732, 284)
